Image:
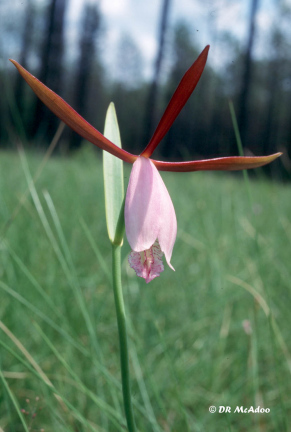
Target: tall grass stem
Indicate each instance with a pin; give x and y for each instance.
(240, 148)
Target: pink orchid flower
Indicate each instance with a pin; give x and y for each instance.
(150, 219)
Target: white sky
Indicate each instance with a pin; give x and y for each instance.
(140, 19)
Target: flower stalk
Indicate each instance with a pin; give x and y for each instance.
(122, 332)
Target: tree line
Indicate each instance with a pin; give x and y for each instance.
(260, 88)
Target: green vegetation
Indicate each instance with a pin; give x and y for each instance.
(189, 349)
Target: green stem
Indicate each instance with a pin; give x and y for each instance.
(121, 322)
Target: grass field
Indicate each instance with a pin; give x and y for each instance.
(216, 332)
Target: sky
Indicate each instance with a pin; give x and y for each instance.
(139, 19)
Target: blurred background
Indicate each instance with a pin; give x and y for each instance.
(135, 53)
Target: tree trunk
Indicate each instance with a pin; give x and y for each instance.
(247, 75)
(90, 26)
(51, 66)
(25, 46)
(150, 114)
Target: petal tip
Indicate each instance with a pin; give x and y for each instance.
(170, 265)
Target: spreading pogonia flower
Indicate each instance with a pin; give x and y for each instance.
(150, 219)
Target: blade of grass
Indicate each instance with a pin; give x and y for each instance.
(113, 416)
(69, 259)
(72, 409)
(105, 407)
(14, 401)
(96, 249)
(34, 282)
(44, 317)
(36, 177)
(274, 333)
(81, 349)
(240, 149)
(143, 390)
(24, 351)
(71, 277)
(29, 357)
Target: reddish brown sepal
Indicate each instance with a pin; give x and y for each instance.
(178, 100)
(69, 116)
(233, 163)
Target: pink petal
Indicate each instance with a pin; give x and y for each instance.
(168, 229)
(149, 211)
(142, 206)
(147, 264)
